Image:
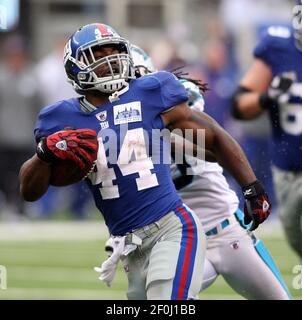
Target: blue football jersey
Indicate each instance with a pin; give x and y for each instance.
(129, 187)
(278, 50)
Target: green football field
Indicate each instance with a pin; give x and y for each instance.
(55, 260)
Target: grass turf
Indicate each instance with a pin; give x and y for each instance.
(55, 260)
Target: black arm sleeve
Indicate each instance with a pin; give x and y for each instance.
(234, 107)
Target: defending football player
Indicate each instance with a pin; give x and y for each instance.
(136, 196)
(274, 84)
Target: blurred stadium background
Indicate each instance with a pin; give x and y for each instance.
(50, 247)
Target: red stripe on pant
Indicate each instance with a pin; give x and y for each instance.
(186, 263)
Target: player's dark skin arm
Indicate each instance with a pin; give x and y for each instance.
(207, 155)
(34, 178)
(225, 149)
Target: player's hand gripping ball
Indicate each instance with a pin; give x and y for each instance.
(71, 153)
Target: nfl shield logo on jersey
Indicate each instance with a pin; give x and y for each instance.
(102, 116)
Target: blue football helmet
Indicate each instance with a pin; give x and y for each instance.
(81, 65)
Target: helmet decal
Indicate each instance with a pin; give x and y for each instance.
(102, 31)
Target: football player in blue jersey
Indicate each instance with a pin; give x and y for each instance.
(274, 84)
(232, 251)
(164, 243)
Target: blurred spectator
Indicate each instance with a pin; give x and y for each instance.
(241, 18)
(175, 60)
(19, 107)
(51, 75)
(221, 79)
(176, 49)
(165, 55)
(53, 87)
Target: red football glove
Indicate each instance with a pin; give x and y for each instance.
(80, 146)
(257, 206)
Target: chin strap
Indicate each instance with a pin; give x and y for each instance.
(115, 95)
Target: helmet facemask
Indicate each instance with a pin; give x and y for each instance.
(107, 74)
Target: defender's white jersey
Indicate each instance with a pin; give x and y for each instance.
(207, 192)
